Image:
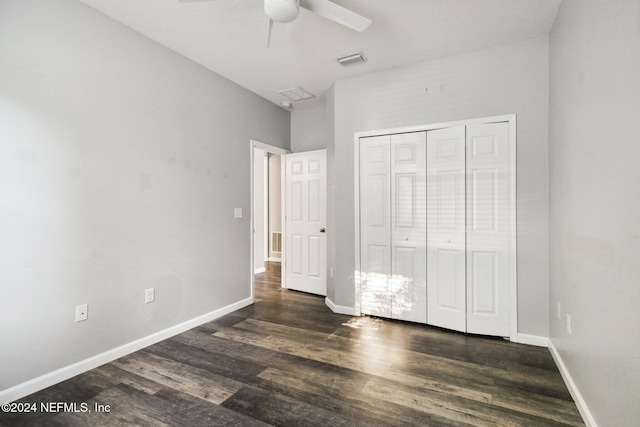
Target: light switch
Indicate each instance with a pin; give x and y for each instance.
(149, 295)
(237, 212)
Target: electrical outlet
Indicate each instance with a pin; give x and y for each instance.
(149, 295)
(559, 312)
(82, 312)
(569, 324)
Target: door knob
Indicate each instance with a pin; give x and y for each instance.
(448, 240)
(322, 230)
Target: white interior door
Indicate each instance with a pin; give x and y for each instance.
(375, 226)
(446, 245)
(408, 285)
(488, 229)
(305, 219)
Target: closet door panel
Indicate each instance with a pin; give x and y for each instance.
(447, 267)
(408, 227)
(446, 245)
(488, 232)
(483, 283)
(375, 226)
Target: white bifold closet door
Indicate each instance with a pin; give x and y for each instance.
(436, 227)
(446, 237)
(393, 226)
(488, 229)
(468, 228)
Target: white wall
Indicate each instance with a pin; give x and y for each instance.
(120, 165)
(595, 203)
(502, 80)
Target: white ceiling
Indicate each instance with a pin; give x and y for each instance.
(229, 36)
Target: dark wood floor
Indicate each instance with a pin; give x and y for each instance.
(288, 360)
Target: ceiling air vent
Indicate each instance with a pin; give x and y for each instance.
(297, 94)
(352, 59)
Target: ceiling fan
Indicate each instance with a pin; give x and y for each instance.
(284, 11)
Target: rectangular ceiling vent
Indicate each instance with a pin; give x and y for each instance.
(297, 94)
(352, 59)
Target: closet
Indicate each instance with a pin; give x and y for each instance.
(436, 226)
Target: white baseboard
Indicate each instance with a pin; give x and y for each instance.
(259, 270)
(36, 384)
(340, 309)
(536, 340)
(573, 389)
(274, 259)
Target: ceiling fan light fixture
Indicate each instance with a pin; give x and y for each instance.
(282, 10)
(352, 59)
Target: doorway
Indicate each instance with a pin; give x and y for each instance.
(267, 208)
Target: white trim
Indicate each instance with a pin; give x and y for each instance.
(283, 222)
(274, 150)
(259, 270)
(340, 309)
(270, 148)
(587, 417)
(513, 278)
(419, 128)
(536, 340)
(274, 259)
(265, 203)
(356, 212)
(28, 387)
(513, 207)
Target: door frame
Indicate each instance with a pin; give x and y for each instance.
(513, 279)
(281, 152)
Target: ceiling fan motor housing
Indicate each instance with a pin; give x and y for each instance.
(282, 10)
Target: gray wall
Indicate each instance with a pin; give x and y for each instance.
(331, 192)
(502, 80)
(309, 129)
(120, 165)
(595, 204)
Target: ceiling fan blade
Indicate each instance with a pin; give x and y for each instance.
(269, 33)
(336, 13)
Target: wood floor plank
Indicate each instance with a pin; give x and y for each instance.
(218, 364)
(370, 361)
(126, 408)
(120, 376)
(278, 410)
(455, 408)
(288, 360)
(175, 375)
(349, 402)
(314, 352)
(194, 412)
